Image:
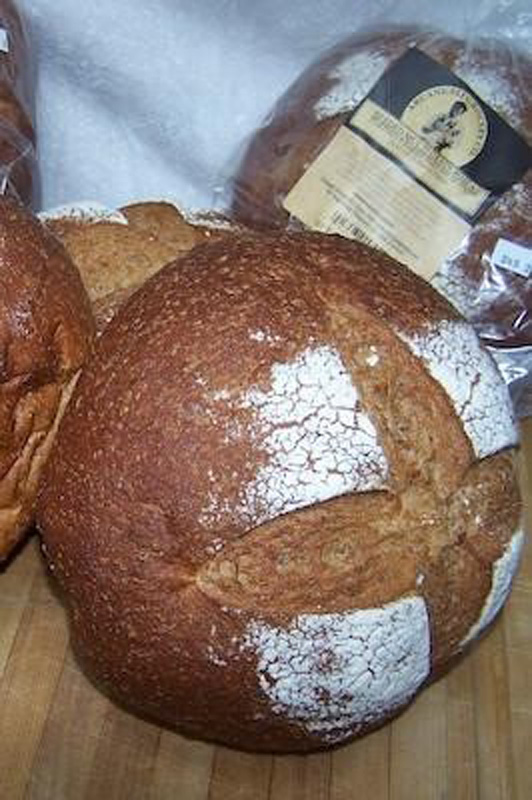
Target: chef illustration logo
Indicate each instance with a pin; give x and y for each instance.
(451, 120)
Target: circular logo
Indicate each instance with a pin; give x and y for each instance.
(451, 120)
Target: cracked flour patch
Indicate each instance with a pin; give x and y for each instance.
(332, 673)
(503, 573)
(320, 442)
(454, 357)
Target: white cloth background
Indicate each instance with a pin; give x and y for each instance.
(141, 99)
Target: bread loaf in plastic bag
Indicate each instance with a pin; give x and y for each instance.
(17, 132)
(462, 209)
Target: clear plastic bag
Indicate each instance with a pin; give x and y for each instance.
(483, 263)
(18, 173)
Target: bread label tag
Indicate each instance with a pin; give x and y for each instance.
(354, 190)
(4, 41)
(418, 156)
(512, 257)
(413, 168)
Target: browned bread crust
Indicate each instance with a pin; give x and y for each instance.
(319, 102)
(284, 496)
(118, 251)
(45, 329)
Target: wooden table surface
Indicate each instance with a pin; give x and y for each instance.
(468, 736)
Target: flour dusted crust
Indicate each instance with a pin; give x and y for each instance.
(310, 112)
(378, 660)
(502, 575)
(271, 514)
(61, 218)
(116, 250)
(324, 447)
(454, 356)
(45, 331)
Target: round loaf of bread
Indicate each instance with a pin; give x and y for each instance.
(46, 327)
(311, 111)
(117, 250)
(283, 497)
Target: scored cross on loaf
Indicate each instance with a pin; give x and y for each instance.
(283, 497)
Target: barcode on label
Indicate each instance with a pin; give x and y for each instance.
(341, 223)
(512, 257)
(4, 41)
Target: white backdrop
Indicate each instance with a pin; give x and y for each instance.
(155, 98)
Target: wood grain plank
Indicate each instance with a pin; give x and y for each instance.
(16, 580)
(240, 776)
(182, 769)
(124, 759)
(520, 671)
(518, 625)
(494, 740)
(28, 684)
(65, 758)
(522, 737)
(518, 617)
(520, 675)
(461, 752)
(418, 748)
(301, 778)
(361, 769)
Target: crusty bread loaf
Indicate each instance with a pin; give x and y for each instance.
(45, 330)
(283, 497)
(17, 135)
(116, 251)
(311, 111)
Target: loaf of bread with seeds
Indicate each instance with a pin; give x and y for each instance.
(117, 250)
(284, 497)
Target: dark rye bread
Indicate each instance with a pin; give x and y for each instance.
(311, 111)
(116, 251)
(283, 497)
(46, 327)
